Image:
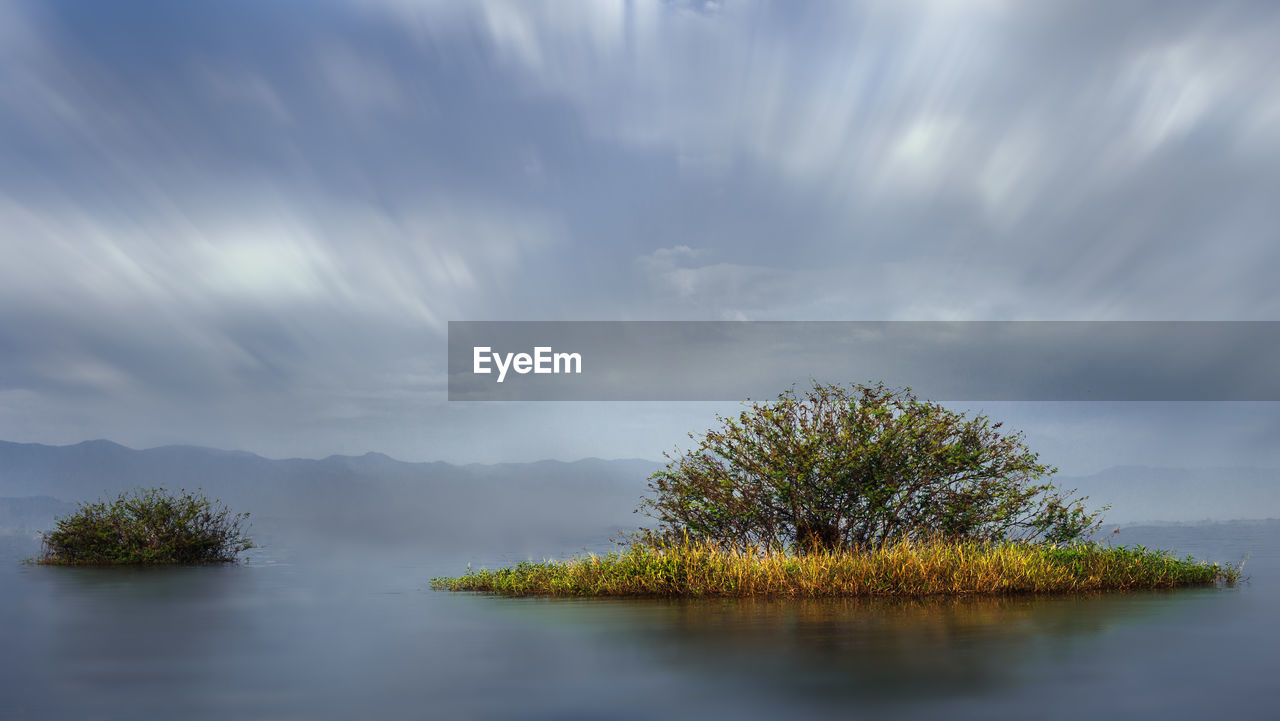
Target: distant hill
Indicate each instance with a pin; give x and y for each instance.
(1144, 493)
(375, 496)
(370, 496)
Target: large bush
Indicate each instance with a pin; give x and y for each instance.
(146, 527)
(857, 468)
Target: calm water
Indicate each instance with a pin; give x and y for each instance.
(346, 631)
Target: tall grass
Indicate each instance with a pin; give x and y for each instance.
(908, 568)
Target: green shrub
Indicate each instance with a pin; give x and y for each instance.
(147, 527)
(859, 468)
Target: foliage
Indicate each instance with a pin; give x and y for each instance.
(859, 468)
(147, 527)
(902, 568)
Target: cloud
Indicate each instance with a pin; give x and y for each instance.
(316, 301)
(265, 209)
(989, 142)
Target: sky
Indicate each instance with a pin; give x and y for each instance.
(246, 225)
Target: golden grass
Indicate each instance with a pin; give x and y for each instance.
(903, 569)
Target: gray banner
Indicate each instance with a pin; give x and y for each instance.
(960, 360)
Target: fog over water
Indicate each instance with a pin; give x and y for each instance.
(333, 626)
(332, 616)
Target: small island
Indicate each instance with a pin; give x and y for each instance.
(855, 491)
(903, 569)
(147, 527)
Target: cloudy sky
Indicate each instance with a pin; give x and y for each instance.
(246, 225)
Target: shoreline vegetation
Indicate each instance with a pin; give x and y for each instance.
(691, 568)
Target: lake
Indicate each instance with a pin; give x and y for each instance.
(316, 629)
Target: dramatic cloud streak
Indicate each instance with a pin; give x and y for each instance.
(246, 225)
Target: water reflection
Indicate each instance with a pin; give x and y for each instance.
(818, 651)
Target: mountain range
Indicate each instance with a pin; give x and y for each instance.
(372, 497)
(378, 497)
